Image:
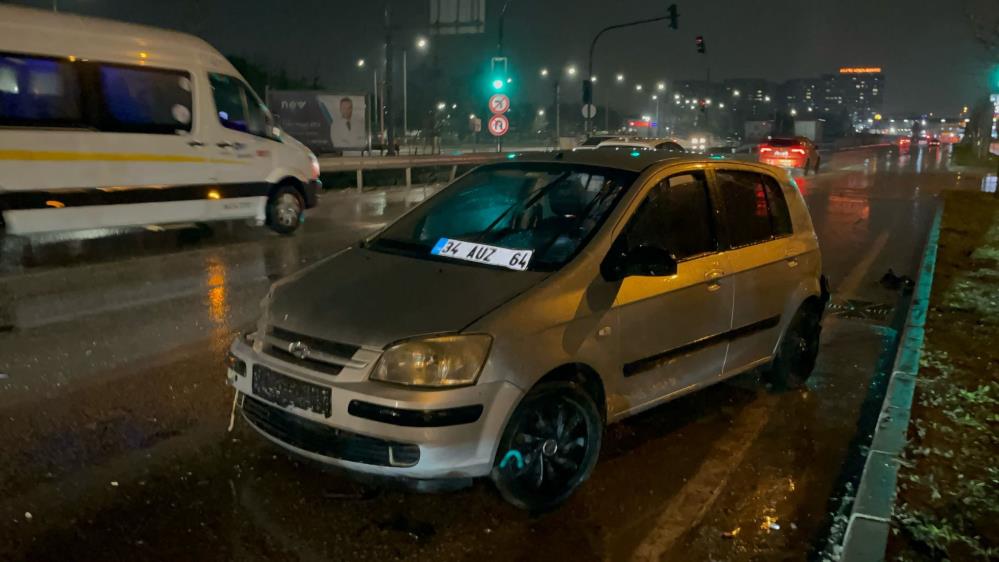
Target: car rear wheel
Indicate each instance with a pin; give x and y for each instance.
(285, 210)
(549, 446)
(798, 350)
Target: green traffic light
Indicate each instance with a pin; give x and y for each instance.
(497, 84)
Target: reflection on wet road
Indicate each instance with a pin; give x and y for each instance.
(115, 411)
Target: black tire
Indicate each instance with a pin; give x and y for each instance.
(556, 430)
(798, 350)
(285, 210)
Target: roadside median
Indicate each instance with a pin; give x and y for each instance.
(930, 487)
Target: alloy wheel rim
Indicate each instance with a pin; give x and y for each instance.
(553, 440)
(287, 209)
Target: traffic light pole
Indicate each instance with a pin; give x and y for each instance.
(587, 81)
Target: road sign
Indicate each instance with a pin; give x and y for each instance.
(475, 124)
(498, 125)
(499, 104)
(589, 110)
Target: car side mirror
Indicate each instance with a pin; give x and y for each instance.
(644, 261)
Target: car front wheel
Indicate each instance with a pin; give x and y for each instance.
(285, 210)
(549, 446)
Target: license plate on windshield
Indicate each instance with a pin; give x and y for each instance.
(483, 253)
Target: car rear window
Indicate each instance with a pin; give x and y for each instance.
(784, 142)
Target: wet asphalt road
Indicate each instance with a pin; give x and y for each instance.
(113, 408)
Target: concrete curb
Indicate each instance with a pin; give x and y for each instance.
(866, 534)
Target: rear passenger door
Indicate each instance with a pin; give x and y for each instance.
(756, 233)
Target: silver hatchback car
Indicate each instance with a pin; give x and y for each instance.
(496, 329)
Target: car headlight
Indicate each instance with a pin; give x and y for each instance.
(440, 361)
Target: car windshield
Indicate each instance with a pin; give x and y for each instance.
(551, 210)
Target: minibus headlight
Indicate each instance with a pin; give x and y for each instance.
(314, 162)
(442, 361)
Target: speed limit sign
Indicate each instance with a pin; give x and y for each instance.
(499, 125)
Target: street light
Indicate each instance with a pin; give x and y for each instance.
(544, 72)
(655, 97)
(793, 112)
(360, 63)
(571, 70)
(766, 99)
(441, 106)
(422, 43)
(736, 93)
(676, 96)
(707, 101)
(593, 79)
(721, 105)
(661, 86)
(541, 113)
(620, 77)
(638, 87)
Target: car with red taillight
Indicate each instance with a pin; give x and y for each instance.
(791, 152)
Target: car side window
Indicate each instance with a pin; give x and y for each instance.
(39, 91)
(755, 210)
(675, 216)
(239, 108)
(145, 100)
(779, 214)
(230, 104)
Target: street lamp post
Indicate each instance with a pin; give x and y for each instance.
(593, 46)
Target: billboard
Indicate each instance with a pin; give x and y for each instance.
(321, 120)
(457, 17)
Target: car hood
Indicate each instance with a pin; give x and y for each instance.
(369, 298)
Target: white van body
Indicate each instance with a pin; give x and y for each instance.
(108, 124)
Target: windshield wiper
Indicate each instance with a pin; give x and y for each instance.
(526, 205)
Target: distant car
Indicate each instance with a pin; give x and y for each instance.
(653, 144)
(904, 142)
(593, 141)
(791, 152)
(933, 143)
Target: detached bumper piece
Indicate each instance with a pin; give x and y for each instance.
(326, 441)
(414, 418)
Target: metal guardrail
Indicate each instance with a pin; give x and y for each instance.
(360, 164)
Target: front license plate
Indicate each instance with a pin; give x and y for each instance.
(287, 391)
(483, 253)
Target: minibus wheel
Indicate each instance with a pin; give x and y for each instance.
(285, 210)
(549, 447)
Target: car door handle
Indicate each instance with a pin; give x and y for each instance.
(714, 277)
(195, 143)
(236, 145)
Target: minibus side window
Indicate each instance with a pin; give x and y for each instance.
(144, 100)
(229, 102)
(239, 108)
(39, 92)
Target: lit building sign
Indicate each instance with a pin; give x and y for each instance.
(860, 70)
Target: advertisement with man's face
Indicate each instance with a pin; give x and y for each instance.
(323, 121)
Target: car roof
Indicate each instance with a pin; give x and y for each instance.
(621, 158)
(636, 142)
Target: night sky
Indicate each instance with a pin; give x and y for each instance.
(925, 47)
